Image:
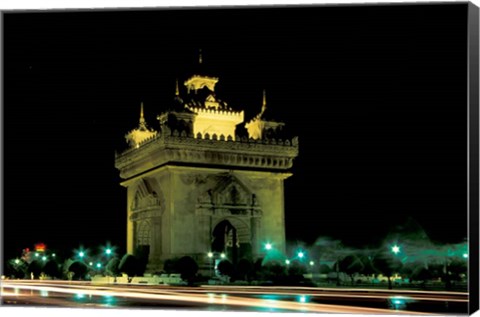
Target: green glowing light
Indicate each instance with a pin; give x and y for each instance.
(108, 251)
(465, 255)
(396, 249)
(53, 255)
(17, 261)
(287, 262)
(312, 263)
(222, 255)
(91, 263)
(268, 246)
(210, 254)
(99, 265)
(81, 254)
(44, 258)
(301, 254)
(36, 254)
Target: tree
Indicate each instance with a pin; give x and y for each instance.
(274, 271)
(187, 268)
(350, 265)
(324, 269)
(368, 268)
(332, 250)
(225, 267)
(51, 269)
(111, 269)
(34, 267)
(16, 270)
(170, 266)
(421, 274)
(79, 269)
(244, 268)
(458, 268)
(387, 264)
(129, 265)
(295, 272)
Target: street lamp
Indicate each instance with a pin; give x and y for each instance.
(301, 254)
(396, 249)
(287, 262)
(268, 246)
(222, 255)
(108, 251)
(210, 256)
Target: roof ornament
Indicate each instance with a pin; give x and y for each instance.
(142, 118)
(200, 59)
(177, 92)
(264, 103)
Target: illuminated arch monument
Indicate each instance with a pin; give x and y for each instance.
(196, 185)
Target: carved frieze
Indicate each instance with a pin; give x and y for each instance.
(164, 148)
(145, 214)
(145, 202)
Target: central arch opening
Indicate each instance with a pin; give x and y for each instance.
(232, 237)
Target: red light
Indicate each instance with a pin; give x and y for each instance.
(40, 247)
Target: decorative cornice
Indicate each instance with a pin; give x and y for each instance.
(213, 111)
(171, 146)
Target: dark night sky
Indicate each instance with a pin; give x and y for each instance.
(376, 94)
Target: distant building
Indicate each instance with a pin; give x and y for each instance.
(195, 185)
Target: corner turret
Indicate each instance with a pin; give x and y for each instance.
(262, 125)
(140, 134)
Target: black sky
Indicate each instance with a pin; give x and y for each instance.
(376, 94)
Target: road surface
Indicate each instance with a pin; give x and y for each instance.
(230, 298)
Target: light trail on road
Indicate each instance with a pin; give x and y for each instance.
(204, 299)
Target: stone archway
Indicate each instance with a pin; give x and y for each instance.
(146, 213)
(232, 236)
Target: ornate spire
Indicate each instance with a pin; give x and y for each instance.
(264, 103)
(140, 134)
(142, 118)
